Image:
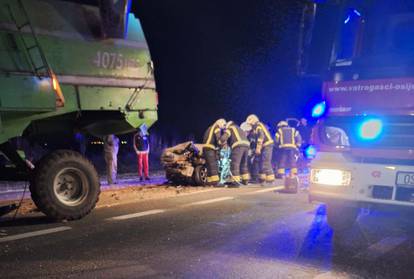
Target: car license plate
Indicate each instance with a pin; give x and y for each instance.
(405, 179)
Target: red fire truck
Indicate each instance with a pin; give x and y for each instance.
(364, 137)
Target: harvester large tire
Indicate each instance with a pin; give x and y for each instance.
(65, 185)
(200, 175)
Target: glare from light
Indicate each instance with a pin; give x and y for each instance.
(330, 177)
(391, 167)
(43, 84)
(310, 152)
(370, 129)
(347, 19)
(319, 110)
(351, 13)
(54, 83)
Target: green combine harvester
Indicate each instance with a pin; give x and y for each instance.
(65, 67)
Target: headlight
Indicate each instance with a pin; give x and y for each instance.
(336, 136)
(331, 177)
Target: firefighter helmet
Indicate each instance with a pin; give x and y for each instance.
(252, 119)
(246, 127)
(229, 123)
(221, 123)
(282, 124)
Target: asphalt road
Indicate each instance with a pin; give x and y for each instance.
(224, 233)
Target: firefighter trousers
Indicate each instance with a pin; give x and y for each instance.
(265, 164)
(287, 160)
(239, 165)
(212, 167)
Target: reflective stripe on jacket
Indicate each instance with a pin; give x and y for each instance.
(263, 135)
(212, 137)
(236, 136)
(288, 137)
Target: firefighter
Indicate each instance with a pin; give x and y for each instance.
(111, 147)
(253, 163)
(305, 131)
(288, 140)
(237, 140)
(263, 150)
(212, 142)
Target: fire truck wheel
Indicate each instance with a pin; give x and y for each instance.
(200, 175)
(341, 218)
(65, 185)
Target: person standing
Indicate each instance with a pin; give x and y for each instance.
(264, 148)
(111, 147)
(142, 148)
(80, 139)
(305, 131)
(239, 144)
(288, 140)
(211, 143)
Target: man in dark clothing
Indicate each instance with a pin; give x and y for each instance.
(211, 143)
(305, 131)
(142, 147)
(288, 140)
(80, 139)
(237, 140)
(264, 148)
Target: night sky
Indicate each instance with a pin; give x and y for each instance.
(220, 58)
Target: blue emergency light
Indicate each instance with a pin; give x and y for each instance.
(370, 129)
(310, 152)
(319, 110)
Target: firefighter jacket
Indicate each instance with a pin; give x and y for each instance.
(288, 137)
(262, 135)
(212, 137)
(235, 136)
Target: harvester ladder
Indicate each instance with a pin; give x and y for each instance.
(43, 68)
(38, 69)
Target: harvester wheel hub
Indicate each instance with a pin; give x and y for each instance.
(71, 186)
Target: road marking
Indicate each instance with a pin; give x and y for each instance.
(35, 233)
(209, 201)
(136, 215)
(277, 188)
(380, 248)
